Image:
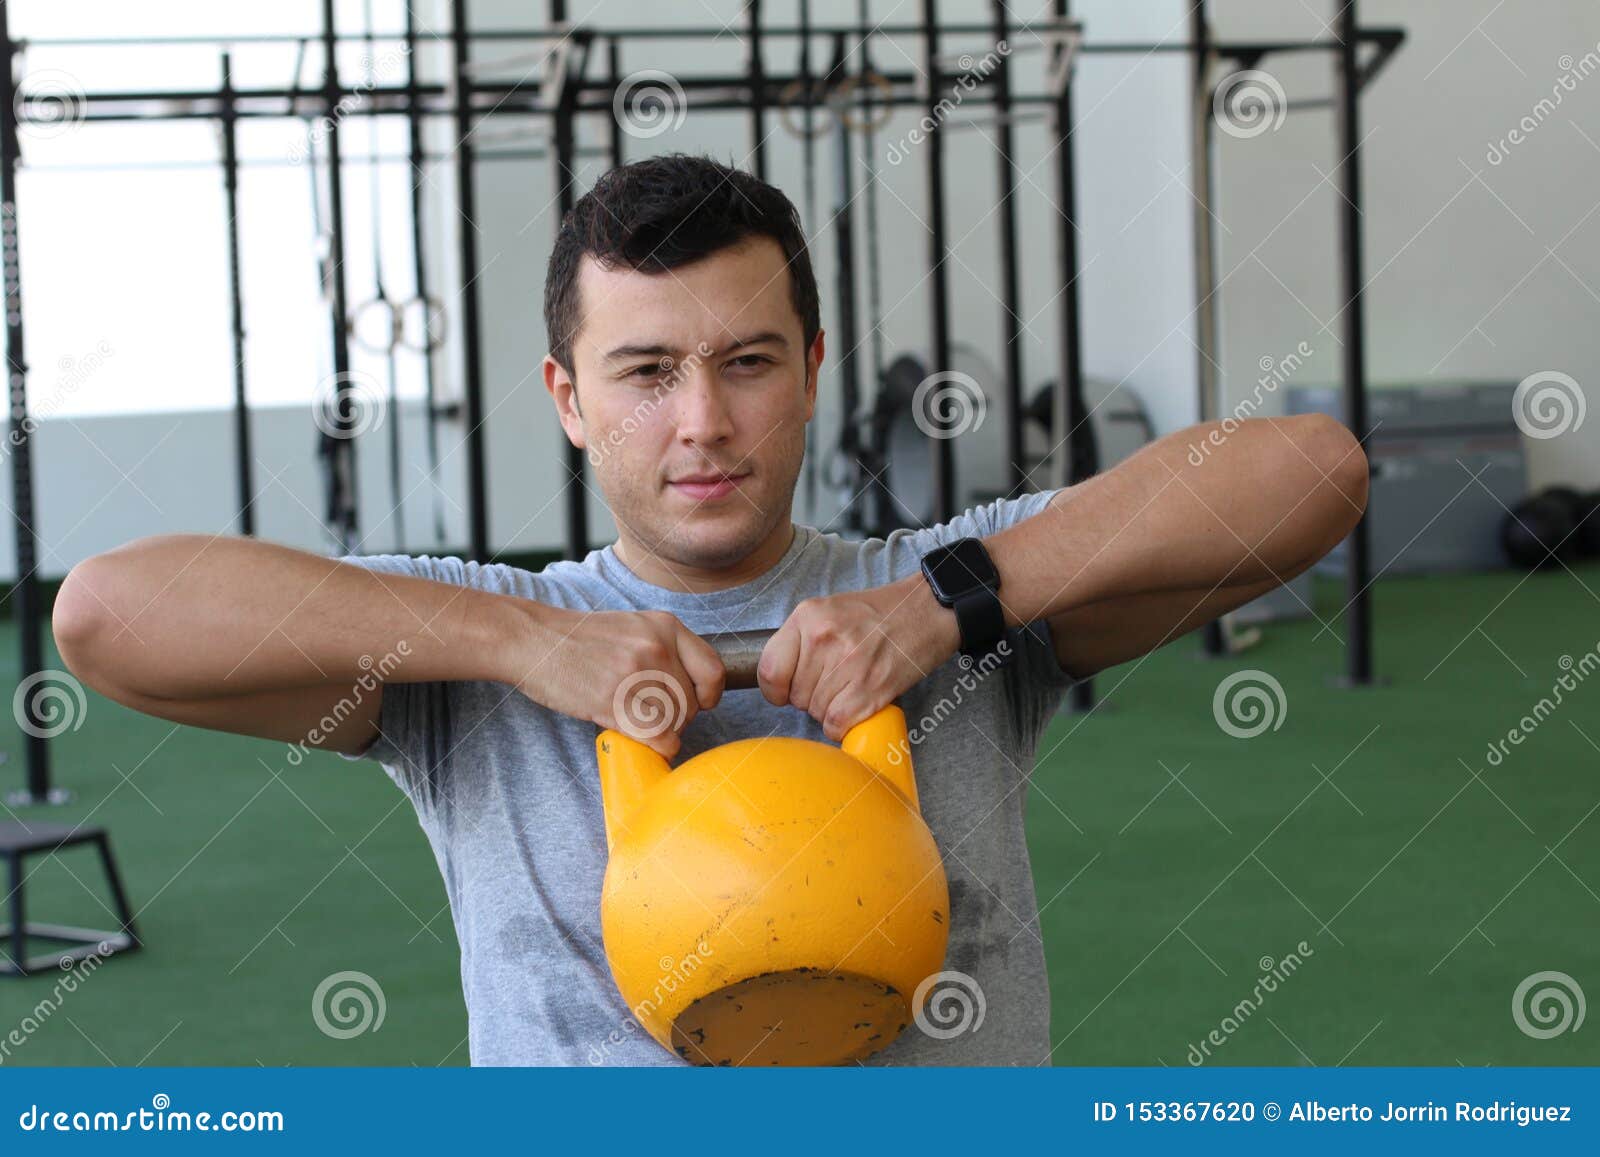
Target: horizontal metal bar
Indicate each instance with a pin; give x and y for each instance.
(524, 98)
(349, 162)
(705, 32)
(1393, 34)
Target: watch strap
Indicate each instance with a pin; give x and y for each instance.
(982, 622)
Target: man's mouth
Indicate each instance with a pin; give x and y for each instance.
(708, 485)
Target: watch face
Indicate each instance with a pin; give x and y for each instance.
(963, 566)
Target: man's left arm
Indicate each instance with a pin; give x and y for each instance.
(1190, 527)
(1185, 530)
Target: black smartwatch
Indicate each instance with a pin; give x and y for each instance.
(964, 579)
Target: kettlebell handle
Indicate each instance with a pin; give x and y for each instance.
(740, 652)
(629, 768)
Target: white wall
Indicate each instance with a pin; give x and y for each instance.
(1475, 270)
(103, 481)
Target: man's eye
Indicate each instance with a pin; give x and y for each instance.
(750, 361)
(648, 370)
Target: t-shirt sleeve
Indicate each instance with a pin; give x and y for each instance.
(1039, 681)
(415, 720)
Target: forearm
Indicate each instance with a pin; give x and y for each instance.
(1272, 497)
(195, 616)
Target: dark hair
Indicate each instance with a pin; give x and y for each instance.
(664, 212)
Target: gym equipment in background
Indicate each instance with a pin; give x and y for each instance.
(909, 409)
(244, 456)
(1588, 532)
(18, 840)
(1447, 463)
(1557, 525)
(1118, 423)
(432, 330)
(791, 888)
(30, 700)
(913, 406)
(390, 335)
(569, 97)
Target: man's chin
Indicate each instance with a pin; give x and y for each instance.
(716, 545)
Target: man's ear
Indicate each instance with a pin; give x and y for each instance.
(813, 371)
(564, 393)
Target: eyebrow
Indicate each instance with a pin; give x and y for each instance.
(661, 349)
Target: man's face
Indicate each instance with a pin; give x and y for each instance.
(698, 373)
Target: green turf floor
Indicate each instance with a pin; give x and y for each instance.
(1425, 883)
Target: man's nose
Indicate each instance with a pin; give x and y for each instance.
(702, 411)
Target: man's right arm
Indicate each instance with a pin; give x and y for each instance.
(240, 635)
(246, 636)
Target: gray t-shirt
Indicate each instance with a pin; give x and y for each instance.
(508, 795)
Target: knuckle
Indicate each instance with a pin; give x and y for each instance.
(650, 653)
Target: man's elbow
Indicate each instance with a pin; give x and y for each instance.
(77, 622)
(1342, 464)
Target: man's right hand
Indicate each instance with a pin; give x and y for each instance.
(258, 639)
(642, 673)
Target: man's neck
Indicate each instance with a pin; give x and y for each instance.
(654, 569)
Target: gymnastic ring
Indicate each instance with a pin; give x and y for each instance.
(882, 112)
(396, 325)
(786, 102)
(433, 324)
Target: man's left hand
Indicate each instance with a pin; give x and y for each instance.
(840, 658)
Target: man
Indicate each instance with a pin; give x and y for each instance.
(686, 350)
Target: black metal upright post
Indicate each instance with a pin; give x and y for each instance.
(1075, 451)
(1202, 126)
(943, 453)
(25, 594)
(563, 151)
(419, 273)
(338, 444)
(1358, 560)
(241, 406)
(614, 74)
(758, 90)
(471, 336)
(1010, 289)
(842, 221)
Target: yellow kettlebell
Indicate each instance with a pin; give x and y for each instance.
(772, 901)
